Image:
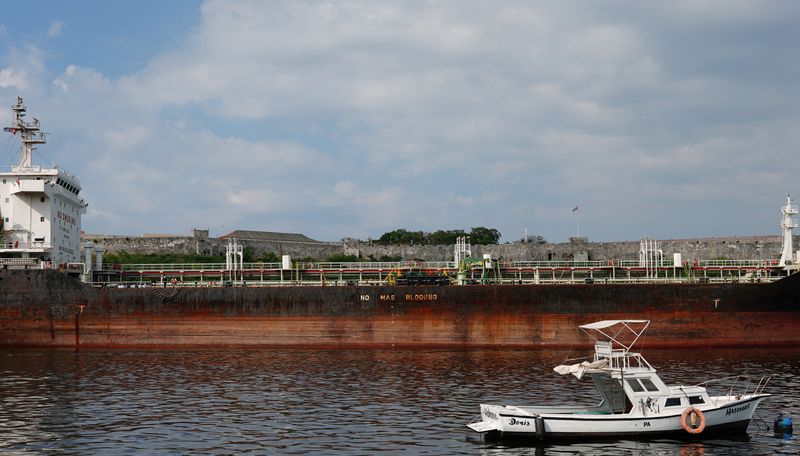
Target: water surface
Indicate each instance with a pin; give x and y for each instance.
(331, 401)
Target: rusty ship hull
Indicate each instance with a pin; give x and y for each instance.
(50, 309)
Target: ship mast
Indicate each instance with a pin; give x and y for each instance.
(787, 224)
(29, 133)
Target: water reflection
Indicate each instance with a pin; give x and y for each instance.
(326, 401)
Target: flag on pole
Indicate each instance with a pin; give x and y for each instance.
(575, 209)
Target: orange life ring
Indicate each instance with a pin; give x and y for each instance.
(696, 421)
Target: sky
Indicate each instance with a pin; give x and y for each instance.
(353, 118)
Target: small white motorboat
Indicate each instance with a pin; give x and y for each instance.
(635, 401)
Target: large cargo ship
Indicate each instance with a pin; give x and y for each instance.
(50, 308)
(49, 298)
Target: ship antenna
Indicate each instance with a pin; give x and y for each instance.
(29, 133)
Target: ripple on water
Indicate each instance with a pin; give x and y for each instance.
(328, 401)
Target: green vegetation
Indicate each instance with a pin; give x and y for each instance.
(160, 258)
(445, 237)
(478, 235)
(386, 258)
(173, 258)
(402, 236)
(484, 236)
(342, 258)
(266, 257)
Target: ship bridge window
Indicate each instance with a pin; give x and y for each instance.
(634, 384)
(673, 402)
(696, 400)
(649, 385)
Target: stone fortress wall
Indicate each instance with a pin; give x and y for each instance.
(577, 249)
(199, 243)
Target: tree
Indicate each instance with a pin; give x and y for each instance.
(445, 237)
(402, 236)
(270, 257)
(483, 236)
(159, 258)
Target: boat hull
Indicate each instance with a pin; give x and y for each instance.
(730, 419)
(733, 429)
(48, 308)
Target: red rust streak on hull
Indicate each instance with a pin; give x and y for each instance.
(37, 308)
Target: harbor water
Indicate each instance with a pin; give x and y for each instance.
(334, 401)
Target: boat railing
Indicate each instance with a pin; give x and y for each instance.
(740, 386)
(619, 358)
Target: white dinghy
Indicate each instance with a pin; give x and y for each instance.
(635, 401)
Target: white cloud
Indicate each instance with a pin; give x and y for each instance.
(55, 29)
(360, 116)
(21, 67)
(11, 78)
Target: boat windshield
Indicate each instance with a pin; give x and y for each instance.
(613, 394)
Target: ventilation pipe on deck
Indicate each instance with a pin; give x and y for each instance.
(88, 249)
(98, 257)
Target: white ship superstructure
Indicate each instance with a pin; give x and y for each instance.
(788, 223)
(40, 208)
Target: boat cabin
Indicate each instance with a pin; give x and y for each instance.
(627, 383)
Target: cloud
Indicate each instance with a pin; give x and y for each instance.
(55, 29)
(21, 67)
(356, 117)
(11, 78)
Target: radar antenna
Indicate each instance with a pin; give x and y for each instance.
(29, 133)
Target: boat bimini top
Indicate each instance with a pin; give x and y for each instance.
(613, 342)
(617, 331)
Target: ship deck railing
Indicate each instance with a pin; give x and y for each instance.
(333, 282)
(19, 262)
(415, 272)
(447, 265)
